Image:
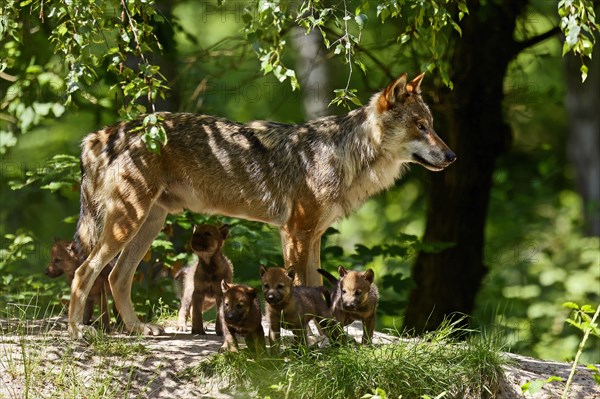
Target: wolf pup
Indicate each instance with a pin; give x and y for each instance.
(64, 260)
(240, 314)
(300, 178)
(202, 286)
(293, 306)
(354, 297)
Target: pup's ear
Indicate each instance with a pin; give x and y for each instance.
(251, 291)
(291, 272)
(342, 271)
(224, 230)
(71, 248)
(262, 270)
(224, 285)
(369, 275)
(393, 94)
(414, 86)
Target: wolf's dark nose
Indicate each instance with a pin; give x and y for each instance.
(450, 157)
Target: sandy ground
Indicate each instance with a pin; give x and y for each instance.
(39, 351)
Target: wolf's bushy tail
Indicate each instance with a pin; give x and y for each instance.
(88, 225)
(328, 276)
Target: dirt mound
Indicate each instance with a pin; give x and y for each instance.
(38, 360)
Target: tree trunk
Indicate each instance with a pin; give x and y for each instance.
(447, 282)
(312, 72)
(583, 103)
(165, 59)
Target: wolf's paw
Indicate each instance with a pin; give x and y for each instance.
(153, 329)
(181, 327)
(228, 347)
(198, 331)
(145, 329)
(79, 331)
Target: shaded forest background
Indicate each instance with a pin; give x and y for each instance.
(506, 235)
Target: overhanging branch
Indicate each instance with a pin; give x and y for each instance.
(524, 44)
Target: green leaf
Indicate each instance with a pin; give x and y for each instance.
(588, 309)
(457, 28)
(58, 109)
(533, 387)
(383, 13)
(584, 73)
(571, 305)
(573, 35)
(361, 20)
(54, 186)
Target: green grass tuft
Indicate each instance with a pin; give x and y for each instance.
(468, 368)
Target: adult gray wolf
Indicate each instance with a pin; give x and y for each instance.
(300, 178)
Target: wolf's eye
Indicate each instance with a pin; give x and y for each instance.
(420, 126)
(239, 305)
(343, 291)
(279, 286)
(266, 286)
(357, 292)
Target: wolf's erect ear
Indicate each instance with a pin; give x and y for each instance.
(414, 86)
(262, 270)
(291, 272)
(224, 285)
(399, 90)
(71, 247)
(369, 275)
(251, 291)
(342, 271)
(393, 94)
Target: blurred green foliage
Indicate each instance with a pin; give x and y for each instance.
(227, 65)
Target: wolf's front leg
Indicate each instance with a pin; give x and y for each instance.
(121, 288)
(302, 249)
(197, 306)
(368, 329)
(229, 340)
(184, 311)
(256, 341)
(218, 323)
(274, 333)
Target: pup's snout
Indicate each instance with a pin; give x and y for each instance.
(231, 316)
(52, 273)
(450, 156)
